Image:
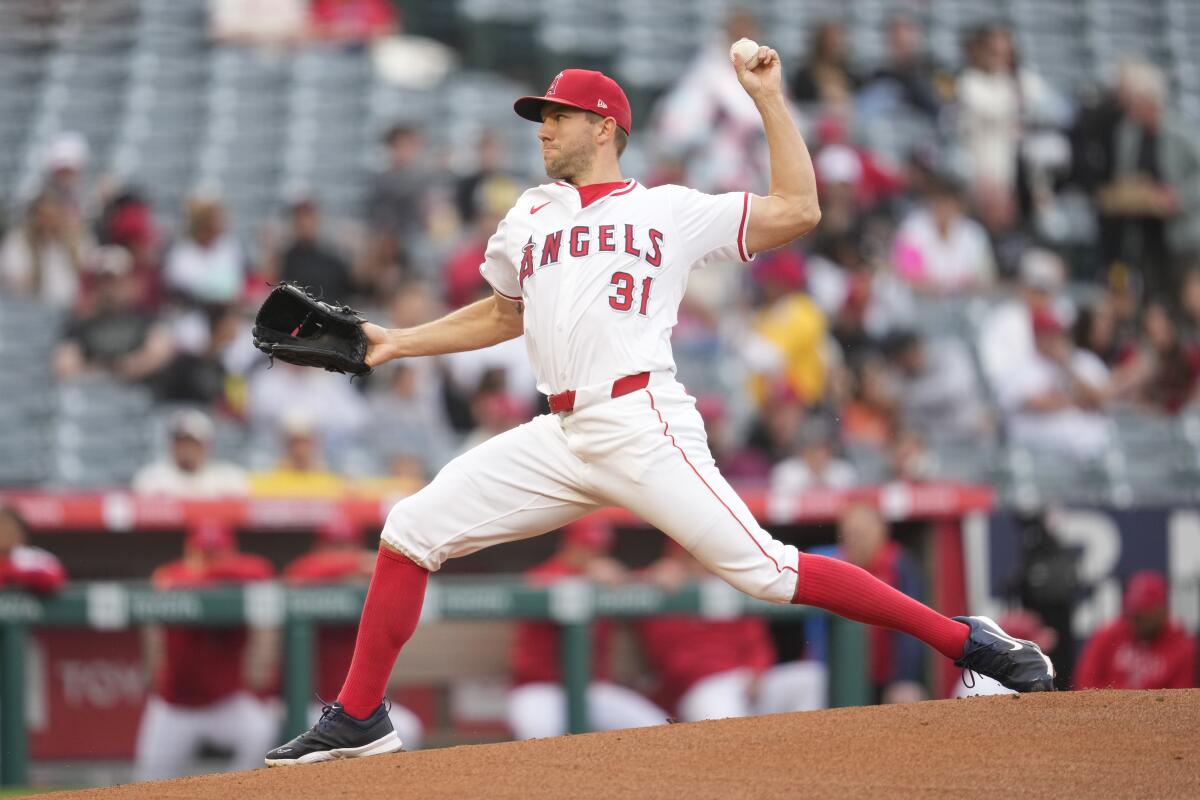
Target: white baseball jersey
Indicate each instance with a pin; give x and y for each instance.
(602, 284)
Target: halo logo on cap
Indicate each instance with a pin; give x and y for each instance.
(554, 84)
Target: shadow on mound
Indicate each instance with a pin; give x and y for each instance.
(1076, 744)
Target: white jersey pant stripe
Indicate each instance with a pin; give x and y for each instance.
(646, 452)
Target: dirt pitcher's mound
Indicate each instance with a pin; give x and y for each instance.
(1077, 744)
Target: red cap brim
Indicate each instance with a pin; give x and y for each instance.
(530, 107)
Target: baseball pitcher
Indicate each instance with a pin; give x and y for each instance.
(591, 268)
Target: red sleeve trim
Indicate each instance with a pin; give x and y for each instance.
(741, 237)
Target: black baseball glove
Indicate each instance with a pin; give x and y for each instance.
(295, 327)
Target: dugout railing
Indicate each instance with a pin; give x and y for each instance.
(115, 606)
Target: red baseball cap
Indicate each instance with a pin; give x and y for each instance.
(580, 88)
(589, 533)
(211, 535)
(1146, 591)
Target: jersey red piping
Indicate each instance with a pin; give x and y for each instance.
(686, 460)
(742, 227)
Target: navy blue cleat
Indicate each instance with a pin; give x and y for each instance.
(339, 735)
(1017, 664)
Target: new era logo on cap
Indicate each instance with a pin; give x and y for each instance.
(584, 89)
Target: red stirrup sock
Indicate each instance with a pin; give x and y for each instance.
(389, 618)
(856, 594)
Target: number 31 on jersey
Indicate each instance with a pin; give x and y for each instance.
(622, 299)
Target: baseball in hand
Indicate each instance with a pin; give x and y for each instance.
(747, 49)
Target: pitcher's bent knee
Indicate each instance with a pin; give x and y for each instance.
(402, 533)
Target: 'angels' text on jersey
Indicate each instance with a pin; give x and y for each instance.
(602, 283)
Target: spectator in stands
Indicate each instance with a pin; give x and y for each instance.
(1189, 304)
(715, 669)
(301, 472)
(776, 429)
(464, 284)
(996, 96)
(939, 249)
(861, 297)
(287, 390)
(1159, 373)
(1006, 333)
(870, 417)
(187, 471)
(999, 213)
(1148, 199)
(736, 462)
(207, 265)
(338, 556)
(826, 72)
(502, 367)
(23, 566)
(353, 21)
(128, 221)
(1144, 648)
(908, 79)
(203, 676)
(1126, 293)
(1095, 330)
(895, 660)
(494, 411)
(908, 460)
(258, 22)
(66, 160)
(537, 705)
(398, 203)
(815, 464)
(41, 258)
(408, 417)
(707, 131)
(312, 263)
(938, 391)
(1055, 403)
(113, 337)
(470, 198)
(203, 378)
(792, 324)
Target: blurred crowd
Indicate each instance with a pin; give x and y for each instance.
(1069, 226)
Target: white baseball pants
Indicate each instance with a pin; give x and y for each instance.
(539, 710)
(646, 451)
(794, 686)
(170, 735)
